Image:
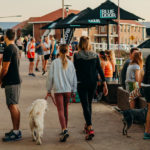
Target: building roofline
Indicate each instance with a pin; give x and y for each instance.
(40, 22)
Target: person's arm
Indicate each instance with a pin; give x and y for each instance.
(53, 43)
(137, 76)
(74, 83)
(49, 81)
(113, 65)
(44, 47)
(105, 89)
(4, 71)
(38, 45)
(103, 66)
(6, 63)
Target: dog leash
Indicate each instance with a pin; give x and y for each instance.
(51, 98)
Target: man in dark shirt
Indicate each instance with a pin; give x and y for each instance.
(125, 66)
(10, 80)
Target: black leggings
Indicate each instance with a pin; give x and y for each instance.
(86, 94)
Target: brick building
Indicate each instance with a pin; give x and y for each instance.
(131, 32)
(44, 20)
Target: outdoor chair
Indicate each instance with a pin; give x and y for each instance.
(123, 100)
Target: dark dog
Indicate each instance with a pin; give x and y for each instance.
(131, 116)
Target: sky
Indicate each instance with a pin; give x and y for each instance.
(36, 8)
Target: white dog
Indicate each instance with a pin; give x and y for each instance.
(36, 119)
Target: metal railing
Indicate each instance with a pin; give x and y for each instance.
(103, 46)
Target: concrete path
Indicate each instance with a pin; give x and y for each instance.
(107, 123)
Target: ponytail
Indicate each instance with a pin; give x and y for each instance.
(63, 52)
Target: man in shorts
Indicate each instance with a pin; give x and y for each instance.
(40, 54)
(10, 80)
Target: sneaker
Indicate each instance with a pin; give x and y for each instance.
(146, 136)
(30, 74)
(33, 75)
(90, 135)
(43, 72)
(64, 136)
(36, 69)
(85, 129)
(7, 134)
(11, 136)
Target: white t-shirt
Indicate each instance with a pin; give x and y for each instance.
(47, 45)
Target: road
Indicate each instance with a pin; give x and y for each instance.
(107, 123)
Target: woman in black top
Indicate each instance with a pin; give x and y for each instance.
(87, 65)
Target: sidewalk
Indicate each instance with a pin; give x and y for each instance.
(106, 122)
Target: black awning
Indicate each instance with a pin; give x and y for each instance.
(52, 24)
(106, 11)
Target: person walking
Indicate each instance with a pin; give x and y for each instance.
(10, 80)
(46, 47)
(25, 41)
(62, 78)
(40, 54)
(53, 48)
(19, 43)
(31, 56)
(87, 65)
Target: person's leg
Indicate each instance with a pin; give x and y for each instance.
(37, 62)
(91, 92)
(133, 95)
(67, 97)
(12, 93)
(15, 116)
(83, 95)
(12, 98)
(32, 66)
(42, 62)
(147, 127)
(60, 109)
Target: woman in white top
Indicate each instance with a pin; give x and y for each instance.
(46, 47)
(62, 79)
(134, 72)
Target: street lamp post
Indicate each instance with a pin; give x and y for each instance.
(118, 28)
(63, 16)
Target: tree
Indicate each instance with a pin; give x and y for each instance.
(28, 29)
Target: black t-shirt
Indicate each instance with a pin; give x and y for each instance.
(2, 46)
(11, 55)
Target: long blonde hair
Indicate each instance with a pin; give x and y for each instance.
(63, 51)
(137, 59)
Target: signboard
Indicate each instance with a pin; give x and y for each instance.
(68, 35)
(94, 21)
(132, 37)
(108, 14)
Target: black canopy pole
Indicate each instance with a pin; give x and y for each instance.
(107, 34)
